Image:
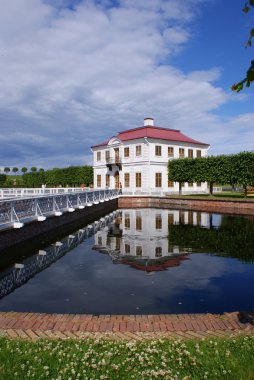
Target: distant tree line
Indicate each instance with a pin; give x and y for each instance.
(71, 176)
(15, 170)
(233, 169)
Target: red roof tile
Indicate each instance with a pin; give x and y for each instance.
(155, 267)
(154, 133)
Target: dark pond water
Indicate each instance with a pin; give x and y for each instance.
(139, 262)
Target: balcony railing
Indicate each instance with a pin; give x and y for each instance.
(113, 160)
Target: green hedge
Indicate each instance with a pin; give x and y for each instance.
(234, 169)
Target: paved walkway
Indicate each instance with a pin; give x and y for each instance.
(125, 327)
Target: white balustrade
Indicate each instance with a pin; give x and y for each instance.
(15, 212)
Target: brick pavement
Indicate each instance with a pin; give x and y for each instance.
(34, 326)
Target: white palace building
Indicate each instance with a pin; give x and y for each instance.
(136, 160)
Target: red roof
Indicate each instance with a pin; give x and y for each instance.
(156, 267)
(154, 133)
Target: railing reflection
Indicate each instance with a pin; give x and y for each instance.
(17, 275)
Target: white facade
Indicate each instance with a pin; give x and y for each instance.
(139, 164)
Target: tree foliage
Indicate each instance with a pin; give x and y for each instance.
(249, 78)
(233, 169)
(2, 179)
(72, 176)
(234, 238)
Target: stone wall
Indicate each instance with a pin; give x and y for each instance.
(55, 227)
(218, 206)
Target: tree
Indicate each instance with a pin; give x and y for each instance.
(243, 167)
(181, 170)
(24, 170)
(15, 169)
(41, 170)
(33, 169)
(2, 179)
(249, 78)
(7, 169)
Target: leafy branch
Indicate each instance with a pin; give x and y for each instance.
(250, 72)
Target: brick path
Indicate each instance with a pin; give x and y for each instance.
(124, 327)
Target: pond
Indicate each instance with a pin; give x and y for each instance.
(145, 261)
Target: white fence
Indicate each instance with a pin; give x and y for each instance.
(15, 212)
(29, 192)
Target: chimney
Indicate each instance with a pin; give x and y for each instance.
(148, 121)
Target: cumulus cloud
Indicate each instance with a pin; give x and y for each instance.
(73, 73)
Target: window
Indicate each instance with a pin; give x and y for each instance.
(138, 150)
(99, 240)
(182, 184)
(190, 153)
(170, 151)
(98, 156)
(198, 153)
(158, 222)
(107, 180)
(158, 179)
(118, 244)
(126, 179)
(170, 219)
(138, 223)
(127, 221)
(138, 180)
(190, 217)
(138, 250)
(127, 249)
(181, 152)
(158, 251)
(98, 180)
(107, 156)
(190, 184)
(199, 184)
(198, 218)
(157, 150)
(181, 217)
(170, 184)
(126, 152)
(170, 248)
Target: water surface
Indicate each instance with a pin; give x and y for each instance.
(139, 262)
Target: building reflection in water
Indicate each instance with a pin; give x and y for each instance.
(139, 238)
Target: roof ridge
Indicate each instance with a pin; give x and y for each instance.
(148, 126)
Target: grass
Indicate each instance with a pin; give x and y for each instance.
(230, 358)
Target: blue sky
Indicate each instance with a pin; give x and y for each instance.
(74, 73)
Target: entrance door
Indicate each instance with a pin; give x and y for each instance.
(117, 184)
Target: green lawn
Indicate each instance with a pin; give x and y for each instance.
(230, 358)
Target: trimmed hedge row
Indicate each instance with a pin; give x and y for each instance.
(236, 169)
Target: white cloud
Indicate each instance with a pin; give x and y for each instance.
(71, 78)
